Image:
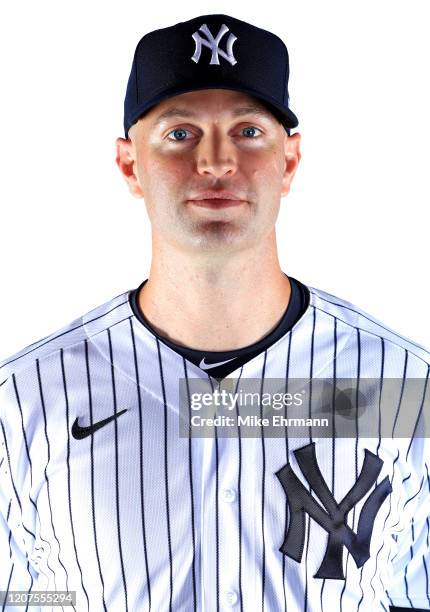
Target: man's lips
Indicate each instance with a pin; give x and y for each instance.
(216, 202)
(217, 199)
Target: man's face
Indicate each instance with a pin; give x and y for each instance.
(210, 140)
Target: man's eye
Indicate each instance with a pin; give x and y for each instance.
(179, 134)
(250, 131)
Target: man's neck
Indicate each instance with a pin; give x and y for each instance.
(215, 310)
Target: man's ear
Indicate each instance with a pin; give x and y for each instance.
(292, 159)
(125, 159)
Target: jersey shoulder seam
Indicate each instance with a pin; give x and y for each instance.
(380, 330)
(19, 361)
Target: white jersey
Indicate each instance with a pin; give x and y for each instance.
(99, 494)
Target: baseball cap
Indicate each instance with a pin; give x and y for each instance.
(209, 52)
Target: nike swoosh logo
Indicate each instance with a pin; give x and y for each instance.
(79, 432)
(206, 366)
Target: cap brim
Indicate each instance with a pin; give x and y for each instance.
(282, 113)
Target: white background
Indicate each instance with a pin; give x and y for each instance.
(356, 223)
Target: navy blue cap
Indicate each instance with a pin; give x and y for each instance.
(209, 52)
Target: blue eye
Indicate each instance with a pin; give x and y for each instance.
(181, 134)
(250, 130)
(178, 132)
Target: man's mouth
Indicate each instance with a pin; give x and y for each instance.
(217, 199)
(217, 202)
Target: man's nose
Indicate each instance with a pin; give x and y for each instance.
(216, 154)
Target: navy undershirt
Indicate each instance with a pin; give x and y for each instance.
(298, 304)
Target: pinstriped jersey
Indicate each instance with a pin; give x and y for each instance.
(99, 494)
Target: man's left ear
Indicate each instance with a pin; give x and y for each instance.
(292, 159)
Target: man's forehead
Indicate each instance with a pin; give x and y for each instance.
(204, 102)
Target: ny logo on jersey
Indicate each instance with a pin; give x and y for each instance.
(333, 516)
(213, 44)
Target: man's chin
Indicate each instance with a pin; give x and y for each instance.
(217, 236)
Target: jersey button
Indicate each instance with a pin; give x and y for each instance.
(231, 597)
(229, 495)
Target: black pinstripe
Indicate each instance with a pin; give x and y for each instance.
(93, 511)
(115, 422)
(216, 510)
(11, 478)
(388, 514)
(381, 380)
(263, 449)
(415, 495)
(216, 506)
(287, 453)
(427, 519)
(356, 425)
(420, 411)
(142, 495)
(42, 402)
(8, 585)
(166, 472)
(406, 568)
(24, 435)
(10, 532)
(190, 471)
(427, 576)
(17, 497)
(66, 398)
(405, 367)
(239, 476)
(356, 455)
(333, 440)
(308, 519)
(31, 581)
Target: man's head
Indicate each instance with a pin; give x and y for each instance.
(199, 129)
(209, 140)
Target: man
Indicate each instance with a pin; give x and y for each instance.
(103, 494)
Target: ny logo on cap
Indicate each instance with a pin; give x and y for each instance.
(213, 43)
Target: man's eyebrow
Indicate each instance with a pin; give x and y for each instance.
(252, 110)
(175, 111)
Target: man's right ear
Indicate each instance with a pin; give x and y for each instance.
(125, 159)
